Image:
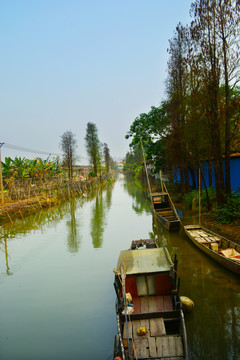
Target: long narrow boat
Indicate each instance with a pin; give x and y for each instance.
(149, 315)
(164, 211)
(222, 250)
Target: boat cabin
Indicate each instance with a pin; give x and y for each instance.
(147, 272)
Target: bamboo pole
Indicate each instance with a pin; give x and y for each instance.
(199, 197)
(174, 209)
(150, 192)
(123, 275)
(160, 174)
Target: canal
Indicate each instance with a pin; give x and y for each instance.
(56, 287)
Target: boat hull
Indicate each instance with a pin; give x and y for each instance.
(164, 211)
(172, 225)
(229, 264)
(150, 320)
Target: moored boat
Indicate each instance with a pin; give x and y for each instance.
(164, 211)
(149, 315)
(222, 250)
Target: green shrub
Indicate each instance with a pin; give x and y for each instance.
(91, 174)
(211, 195)
(138, 171)
(230, 211)
(190, 199)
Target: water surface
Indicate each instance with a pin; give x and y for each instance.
(56, 286)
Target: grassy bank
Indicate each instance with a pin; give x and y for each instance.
(25, 198)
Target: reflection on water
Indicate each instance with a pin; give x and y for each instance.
(141, 202)
(54, 303)
(97, 220)
(8, 272)
(74, 237)
(102, 203)
(214, 325)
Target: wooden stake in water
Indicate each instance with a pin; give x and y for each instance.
(199, 197)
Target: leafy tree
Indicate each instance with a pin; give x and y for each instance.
(93, 146)
(228, 27)
(107, 157)
(68, 145)
(204, 31)
(177, 110)
(153, 128)
(133, 161)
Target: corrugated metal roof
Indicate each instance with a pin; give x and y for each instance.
(144, 261)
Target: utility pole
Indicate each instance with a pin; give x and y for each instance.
(1, 180)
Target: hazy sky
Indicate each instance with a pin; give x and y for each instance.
(67, 62)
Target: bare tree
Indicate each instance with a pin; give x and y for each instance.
(68, 145)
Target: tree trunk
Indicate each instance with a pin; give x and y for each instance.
(208, 201)
(182, 180)
(186, 175)
(227, 112)
(210, 172)
(192, 171)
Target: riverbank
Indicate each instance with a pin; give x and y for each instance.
(46, 196)
(230, 231)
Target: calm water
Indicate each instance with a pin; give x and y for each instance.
(56, 293)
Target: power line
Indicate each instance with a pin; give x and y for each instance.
(21, 148)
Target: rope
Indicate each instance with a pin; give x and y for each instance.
(150, 192)
(173, 205)
(134, 349)
(123, 274)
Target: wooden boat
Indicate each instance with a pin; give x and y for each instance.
(149, 315)
(222, 250)
(164, 211)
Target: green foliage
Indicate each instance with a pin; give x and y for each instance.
(153, 127)
(91, 173)
(191, 199)
(20, 168)
(211, 195)
(107, 158)
(132, 161)
(230, 211)
(93, 146)
(138, 171)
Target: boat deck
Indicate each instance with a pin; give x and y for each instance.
(167, 214)
(203, 237)
(156, 344)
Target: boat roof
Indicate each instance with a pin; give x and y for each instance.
(144, 261)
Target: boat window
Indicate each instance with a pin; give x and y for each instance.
(151, 285)
(146, 285)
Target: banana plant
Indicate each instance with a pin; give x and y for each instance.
(7, 167)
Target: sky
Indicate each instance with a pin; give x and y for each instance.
(65, 63)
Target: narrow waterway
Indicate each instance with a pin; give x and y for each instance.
(56, 293)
